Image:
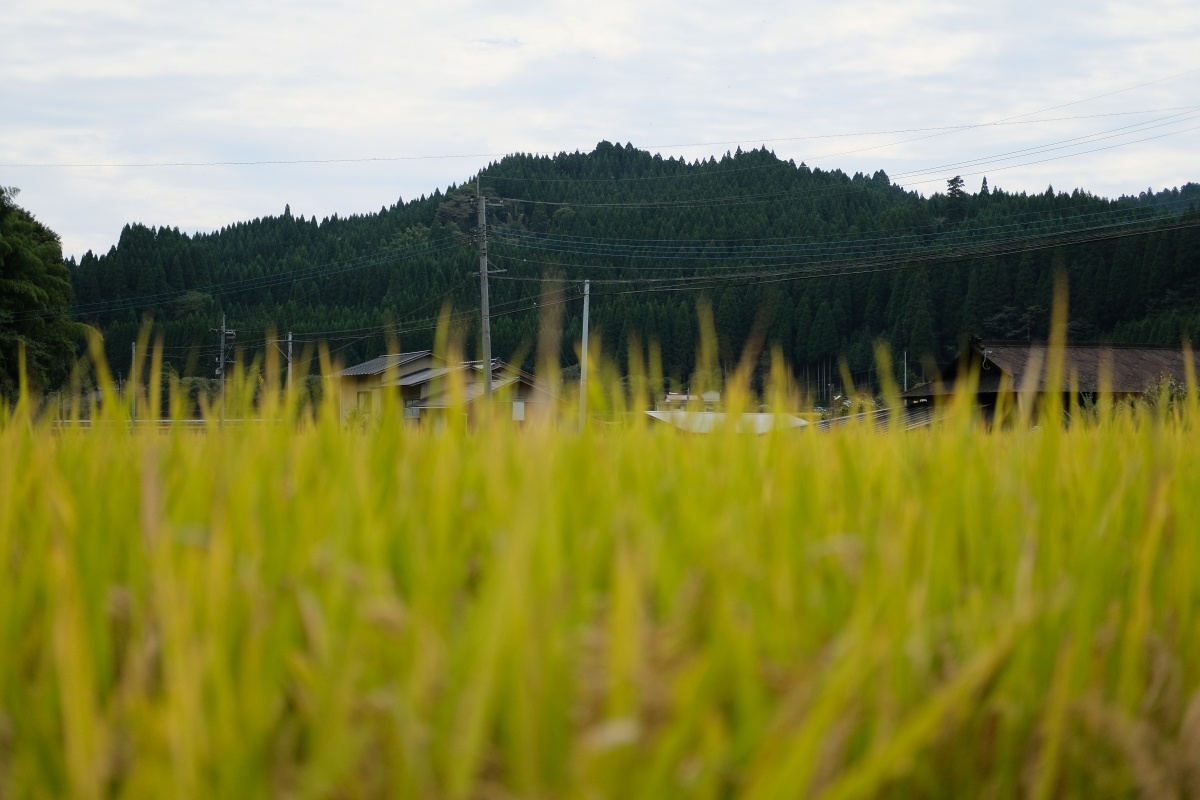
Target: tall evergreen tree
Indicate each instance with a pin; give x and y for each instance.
(35, 293)
(823, 339)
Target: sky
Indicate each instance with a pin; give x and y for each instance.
(138, 110)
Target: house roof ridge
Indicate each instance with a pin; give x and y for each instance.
(1028, 343)
(378, 364)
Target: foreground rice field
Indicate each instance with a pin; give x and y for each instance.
(282, 611)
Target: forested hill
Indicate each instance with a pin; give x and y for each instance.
(824, 263)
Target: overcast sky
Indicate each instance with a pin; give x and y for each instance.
(442, 88)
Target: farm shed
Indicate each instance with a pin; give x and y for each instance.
(1009, 367)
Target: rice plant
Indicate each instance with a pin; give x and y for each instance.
(293, 607)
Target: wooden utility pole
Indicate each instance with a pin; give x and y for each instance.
(226, 336)
(485, 318)
(133, 394)
(583, 358)
(289, 356)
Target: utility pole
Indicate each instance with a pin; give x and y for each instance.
(906, 370)
(133, 371)
(289, 356)
(583, 359)
(484, 312)
(225, 335)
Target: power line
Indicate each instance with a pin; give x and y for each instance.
(936, 129)
(873, 246)
(1065, 143)
(758, 197)
(788, 277)
(741, 249)
(1013, 220)
(264, 162)
(776, 274)
(315, 272)
(403, 319)
(981, 250)
(649, 252)
(801, 273)
(725, 169)
(985, 124)
(277, 162)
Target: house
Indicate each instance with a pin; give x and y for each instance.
(426, 386)
(1009, 367)
(521, 396)
(361, 387)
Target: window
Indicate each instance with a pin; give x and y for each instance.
(519, 410)
(364, 401)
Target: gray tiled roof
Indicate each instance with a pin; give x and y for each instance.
(377, 366)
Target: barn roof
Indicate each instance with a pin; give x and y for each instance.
(1125, 369)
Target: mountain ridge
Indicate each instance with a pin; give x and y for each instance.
(822, 263)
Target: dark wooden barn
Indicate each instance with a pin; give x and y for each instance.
(1088, 369)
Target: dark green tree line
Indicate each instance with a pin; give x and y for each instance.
(824, 263)
(35, 294)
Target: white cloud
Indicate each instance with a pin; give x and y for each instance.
(151, 80)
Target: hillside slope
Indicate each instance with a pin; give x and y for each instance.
(822, 264)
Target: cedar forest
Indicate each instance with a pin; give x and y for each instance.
(820, 264)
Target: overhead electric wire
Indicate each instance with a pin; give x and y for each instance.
(992, 122)
(315, 272)
(853, 268)
(1061, 144)
(776, 274)
(895, 179)
(1010, 219)
(765, 273)
(869, 267)
(936, 130)
(1066, 143)
(462, 317)
(257, 163)
(983, 249)
(860, 267)
(308, 334)
(277, 162)
(725, 170)
(356, 335)
(741, 250)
